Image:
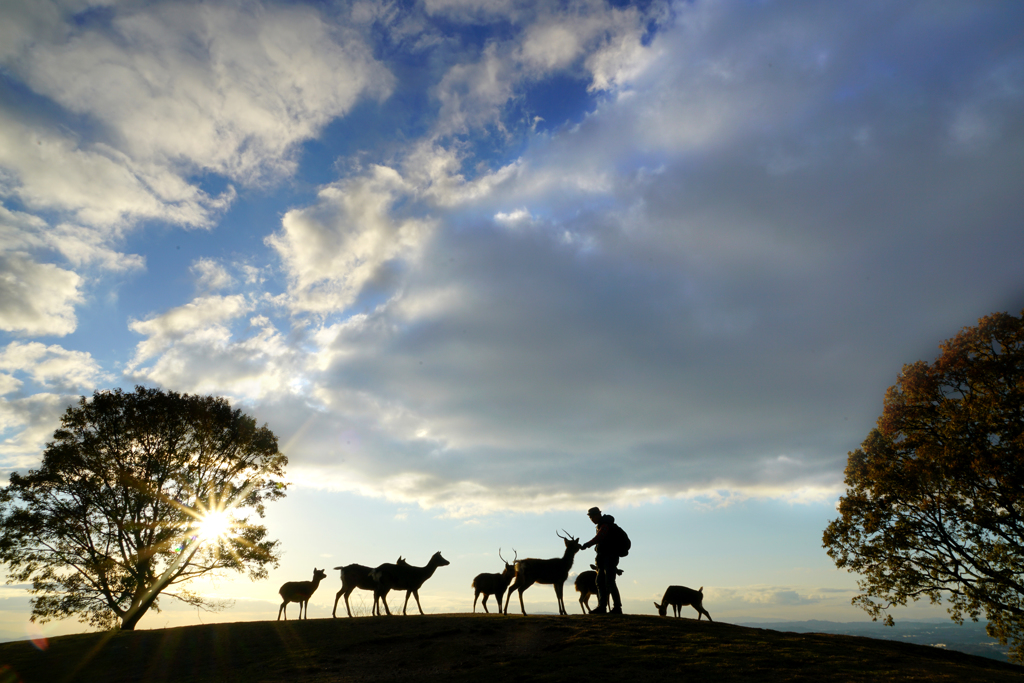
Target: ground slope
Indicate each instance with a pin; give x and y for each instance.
(492, 648)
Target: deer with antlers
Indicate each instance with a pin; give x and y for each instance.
(403, 576)
(494, 584)
(300, 592)
(554, 571)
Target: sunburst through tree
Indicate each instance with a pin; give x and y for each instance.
(138, 492)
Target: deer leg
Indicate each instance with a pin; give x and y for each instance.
(508, 597)
(384, 599)
(282, 609)
(416, 594)
(521, 605)
(334, 612)
(558, 595)
(407, 594)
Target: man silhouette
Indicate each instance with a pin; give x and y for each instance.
(607, 563)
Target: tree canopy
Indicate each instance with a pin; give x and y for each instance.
(136, 493)
(935, 495)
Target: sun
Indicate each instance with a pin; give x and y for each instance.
(216, 525)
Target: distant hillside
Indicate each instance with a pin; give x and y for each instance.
(969, 637)
(490, 648)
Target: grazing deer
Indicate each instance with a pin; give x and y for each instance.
(677, 596)
(404, 577)
(554, 571)
(586, 585)
(300, 592)
(494, 584)
(355, 576)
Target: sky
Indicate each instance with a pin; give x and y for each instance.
(482, 265)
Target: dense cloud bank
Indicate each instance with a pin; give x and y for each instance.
(666, 249)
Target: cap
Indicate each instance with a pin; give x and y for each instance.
(593, 511)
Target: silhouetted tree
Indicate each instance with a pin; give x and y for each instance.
(138, 492)
(935, 498)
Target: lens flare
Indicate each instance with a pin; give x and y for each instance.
(35, 634)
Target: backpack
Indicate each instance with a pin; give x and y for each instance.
(618, 541)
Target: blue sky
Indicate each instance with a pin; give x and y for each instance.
(483, 265)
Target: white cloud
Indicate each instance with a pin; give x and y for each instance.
(8, 384)
(210, 276)
(621, 61)
(341, 245)
(202, 320)
(21, 231)
(26, 425)
(52, 366)
(257, 364)
(83, 246)
(473, 94)
(96, 184)
(514, 218)
(36, 298)
(227, 87)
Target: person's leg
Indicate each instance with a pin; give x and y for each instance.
(603, 589)
(611, 571)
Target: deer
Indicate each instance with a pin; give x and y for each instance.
(554, 571)
(677, 596)
(586, 585)
(355, 576)
(300, 592)
(494, 584)
(403, 576)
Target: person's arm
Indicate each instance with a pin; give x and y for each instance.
(601, 533)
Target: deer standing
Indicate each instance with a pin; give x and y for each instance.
(586, 585)
(300, 592)
(554, 571)
(355, 576)
(405, 577)
(677, 596)
(494, 584)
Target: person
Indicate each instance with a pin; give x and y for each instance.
(607, 563)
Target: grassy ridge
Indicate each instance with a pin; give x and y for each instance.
(464, 647)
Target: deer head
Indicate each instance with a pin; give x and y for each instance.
(510, 567)
(572, 545)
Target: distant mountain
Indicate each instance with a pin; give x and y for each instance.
(969, 637)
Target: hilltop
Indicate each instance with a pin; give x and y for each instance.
(467, 647)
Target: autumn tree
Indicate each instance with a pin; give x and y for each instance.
(934, 504)
(137, 494)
